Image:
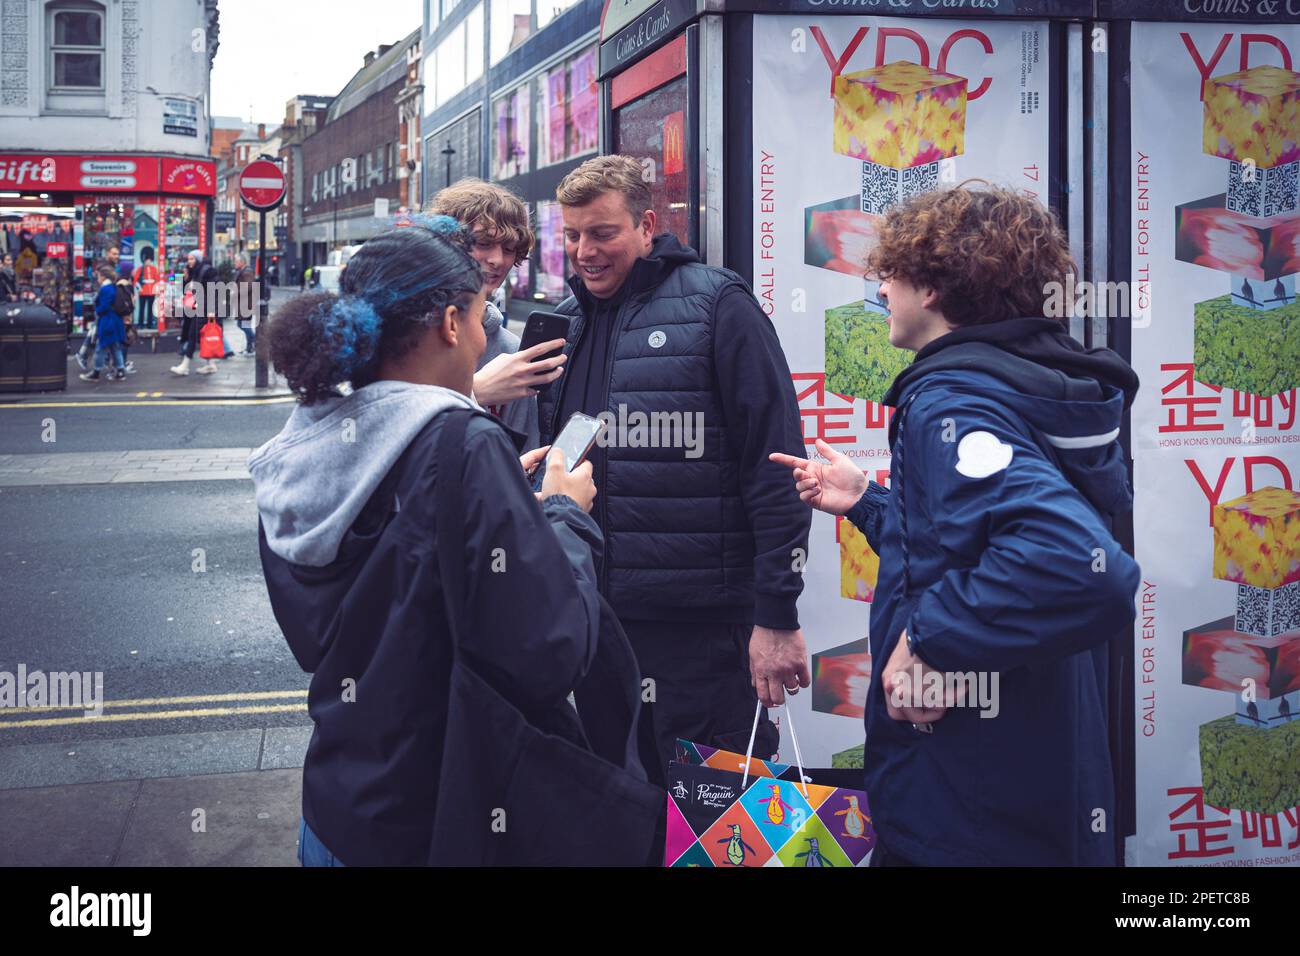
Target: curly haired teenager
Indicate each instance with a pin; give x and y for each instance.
(1001, 584)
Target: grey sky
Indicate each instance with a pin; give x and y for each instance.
(272, 50)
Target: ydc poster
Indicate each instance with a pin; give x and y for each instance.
(853, 114)
(1215, 170)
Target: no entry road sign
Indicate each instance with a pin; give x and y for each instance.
(261, 185)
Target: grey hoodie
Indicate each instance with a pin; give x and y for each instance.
(314, 477)
(521, 414)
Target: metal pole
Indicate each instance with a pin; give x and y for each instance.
(259, 327)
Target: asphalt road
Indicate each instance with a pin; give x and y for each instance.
(101, 577)
(140, 427)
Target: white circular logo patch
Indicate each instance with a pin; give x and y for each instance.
(981, 454)
(657, 339)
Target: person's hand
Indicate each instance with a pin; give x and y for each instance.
(531, 459)
(903, 694)
(778, 664)
(577, 484)
(833, 487)
(513, 375)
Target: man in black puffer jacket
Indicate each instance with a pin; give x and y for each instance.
(705, 537)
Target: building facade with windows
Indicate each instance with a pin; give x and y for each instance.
(105, 136)
(511, 96)
(352, 176)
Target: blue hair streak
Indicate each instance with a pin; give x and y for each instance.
(350, 330)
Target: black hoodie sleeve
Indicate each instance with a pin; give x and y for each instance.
(533, 608)
(762, 414)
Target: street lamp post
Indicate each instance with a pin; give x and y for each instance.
(449, 153)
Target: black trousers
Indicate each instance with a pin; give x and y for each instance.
(701, 690)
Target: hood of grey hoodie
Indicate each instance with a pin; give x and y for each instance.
(313, 478)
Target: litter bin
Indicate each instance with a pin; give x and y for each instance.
(33, 348)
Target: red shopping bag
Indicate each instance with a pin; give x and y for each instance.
(211, 343)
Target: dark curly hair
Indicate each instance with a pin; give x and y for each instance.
(988, 253)
(398, 285)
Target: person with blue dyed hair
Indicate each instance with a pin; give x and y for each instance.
(403, 550)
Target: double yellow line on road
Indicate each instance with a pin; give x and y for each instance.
(165, 714)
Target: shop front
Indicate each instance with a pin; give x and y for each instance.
(69, 211)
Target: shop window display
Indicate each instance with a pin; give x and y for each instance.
(41, 246)
(551, 273)
(568, 110)
(511, 122)
(654, 128)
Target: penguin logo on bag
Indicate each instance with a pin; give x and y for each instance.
(657, 339)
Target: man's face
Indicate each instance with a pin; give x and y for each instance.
(240, 262)
(495, 257)
(603, 241)
(913, 319)
(113, 253)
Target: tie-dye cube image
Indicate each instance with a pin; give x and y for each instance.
(1252, 115)
(900, 115)
(859, 565)
(1257, 538)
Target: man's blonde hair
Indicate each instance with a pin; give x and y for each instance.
(616, 173)
(489, 208)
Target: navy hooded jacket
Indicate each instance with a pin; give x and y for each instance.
(998, 558)
(348, 540)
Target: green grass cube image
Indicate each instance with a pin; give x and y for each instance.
(1245, 349)
(1250, 768)
(859, 359)
(853, 758)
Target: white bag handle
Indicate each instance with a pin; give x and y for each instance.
(749, 751)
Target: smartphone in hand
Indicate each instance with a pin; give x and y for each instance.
(542, 327)
(575, 440)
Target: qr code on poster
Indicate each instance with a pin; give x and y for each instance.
(920, 179)
(1244, 194)
(1286, 608)
(1252, 610)
(879, 188)
(1268, 612)
(1280, 188)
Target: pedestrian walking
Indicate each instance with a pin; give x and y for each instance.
(507, 380)
(110, 331)
(246, 286)
(378, 552)
(703, 535)
(124, 306)
(201, 285)
(996, 553)
(8, 279)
